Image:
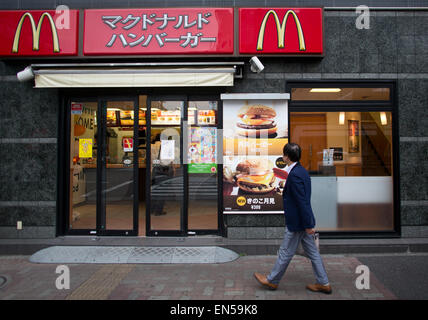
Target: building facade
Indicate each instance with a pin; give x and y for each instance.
(69, 154)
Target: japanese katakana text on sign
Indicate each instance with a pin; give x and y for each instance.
(159, 31)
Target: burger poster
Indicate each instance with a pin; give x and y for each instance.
(256, 118)
(255, 132)
(253, 184)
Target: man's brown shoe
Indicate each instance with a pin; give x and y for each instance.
(319, 288)
(264, 281)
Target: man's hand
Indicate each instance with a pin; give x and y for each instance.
(310, 231)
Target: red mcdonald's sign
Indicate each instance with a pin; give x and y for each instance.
(167, 31)
(281, 31)
(158, 31)
(38, 33)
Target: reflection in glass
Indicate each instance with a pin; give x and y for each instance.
(352, 190)
(167, 182)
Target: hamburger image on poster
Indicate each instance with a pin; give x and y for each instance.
(250, 175)
(255, 119)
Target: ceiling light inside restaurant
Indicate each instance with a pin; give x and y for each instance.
(325, 90)
(383, 119)
(342, 118)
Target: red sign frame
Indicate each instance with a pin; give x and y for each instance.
(159, 31)
(297, 31)
(38, 33)
(170, 31)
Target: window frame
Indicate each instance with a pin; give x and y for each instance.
(357, 106)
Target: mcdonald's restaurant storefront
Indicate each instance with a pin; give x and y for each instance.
(171, 122)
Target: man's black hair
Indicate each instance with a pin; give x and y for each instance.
(292, 151)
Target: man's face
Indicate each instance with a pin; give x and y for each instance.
(286, 159)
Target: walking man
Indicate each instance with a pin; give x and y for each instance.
(300, 223)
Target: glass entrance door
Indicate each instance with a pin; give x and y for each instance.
(184, 187)
(202, 168)
(82, 169)
(144, 161)
(103, 177)
(119, 167)
(165, 214)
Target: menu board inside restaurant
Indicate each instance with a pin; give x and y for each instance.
(255, 132)
(117, 117)
(166, 117)
(206, 117)
(126, 117)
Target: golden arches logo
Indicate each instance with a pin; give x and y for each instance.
(36, 31)
(281, 29)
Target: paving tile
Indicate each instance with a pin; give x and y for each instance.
(208, 291)
(222, 281)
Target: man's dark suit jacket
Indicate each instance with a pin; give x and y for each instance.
(297, 200)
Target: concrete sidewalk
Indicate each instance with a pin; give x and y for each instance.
(227, 281)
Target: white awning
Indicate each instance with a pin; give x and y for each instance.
(133, 77)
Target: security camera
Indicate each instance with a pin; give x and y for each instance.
(25, 75)
(256, 65)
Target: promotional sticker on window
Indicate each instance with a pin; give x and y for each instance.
(85, 148)
(76, 108)
(128, 144)
(167, 150)
(202, 155)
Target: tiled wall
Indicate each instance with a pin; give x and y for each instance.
(28, 157)
(395, 47)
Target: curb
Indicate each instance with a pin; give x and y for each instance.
(243, 247)
(334, 249)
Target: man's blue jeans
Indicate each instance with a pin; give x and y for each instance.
(287, 251)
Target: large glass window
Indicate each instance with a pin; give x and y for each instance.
(346, 130)
(349, 157)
